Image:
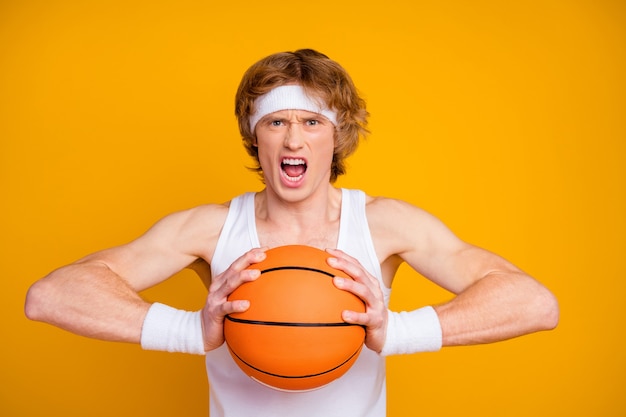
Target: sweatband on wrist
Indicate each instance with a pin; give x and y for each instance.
(411, 332)
(171, 330)
(289, 97)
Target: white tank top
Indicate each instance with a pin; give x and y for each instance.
(361, 392)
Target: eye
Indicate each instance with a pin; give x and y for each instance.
(276, 122)
(312, 122)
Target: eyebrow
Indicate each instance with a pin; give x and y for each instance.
(308, 116)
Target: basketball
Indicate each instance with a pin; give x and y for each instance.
(293, 337)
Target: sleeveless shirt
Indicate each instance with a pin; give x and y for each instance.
(360, 392)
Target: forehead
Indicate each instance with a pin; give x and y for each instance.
(287, 97)
(293, 113)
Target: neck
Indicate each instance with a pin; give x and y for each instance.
(312, 221)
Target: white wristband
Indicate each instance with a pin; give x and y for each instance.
(411, 332)
(172, 330)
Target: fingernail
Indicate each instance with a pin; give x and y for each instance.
(338, 281)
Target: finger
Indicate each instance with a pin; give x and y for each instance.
(354, 317)
(217, 313)
(375, 325)
(352, 267)
(372, 298)
(238, 272)
(356, 288)
(248, 259)
(235, 306)
(234, 280)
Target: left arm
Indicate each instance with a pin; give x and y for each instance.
(494, 300)
(501, 302)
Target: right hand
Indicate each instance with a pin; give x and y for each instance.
(218, 306)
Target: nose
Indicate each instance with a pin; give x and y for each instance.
(294, 138)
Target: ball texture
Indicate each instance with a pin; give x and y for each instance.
(293, 337)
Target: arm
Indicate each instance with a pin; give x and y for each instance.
(500, 302)
(89, 299)
(494, 300)
(98, 296)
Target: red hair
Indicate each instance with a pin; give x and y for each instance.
(320, 77)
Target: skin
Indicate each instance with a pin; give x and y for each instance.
(98, 296)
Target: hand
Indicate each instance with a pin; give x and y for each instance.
(218, 306)
(367, 288)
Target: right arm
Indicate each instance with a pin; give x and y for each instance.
(89, 299)
(98, 296)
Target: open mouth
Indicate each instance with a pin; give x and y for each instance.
(293, 168)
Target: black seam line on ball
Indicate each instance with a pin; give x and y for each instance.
(299, 268)
(297, 376)
(290, 324)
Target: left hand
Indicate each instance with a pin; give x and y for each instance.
(367, 288)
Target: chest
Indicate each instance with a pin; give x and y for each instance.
(319, 235)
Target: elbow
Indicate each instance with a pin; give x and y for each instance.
(554, 314)
(548, 308)
(34, 306)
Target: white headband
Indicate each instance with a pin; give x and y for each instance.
(288, 97)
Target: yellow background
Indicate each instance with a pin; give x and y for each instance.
(504, 119)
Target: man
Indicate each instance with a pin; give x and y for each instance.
(300, 116)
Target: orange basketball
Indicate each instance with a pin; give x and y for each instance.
(293, 337)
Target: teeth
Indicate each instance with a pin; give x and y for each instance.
(293, 161)
(293, 179)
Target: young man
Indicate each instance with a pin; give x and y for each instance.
(300, 117)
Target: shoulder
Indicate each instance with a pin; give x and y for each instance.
(171, 244)
(205, 217)
(193, 231)
(401, 227)
(391, 212)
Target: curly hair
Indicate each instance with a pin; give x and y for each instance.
(320, 77)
